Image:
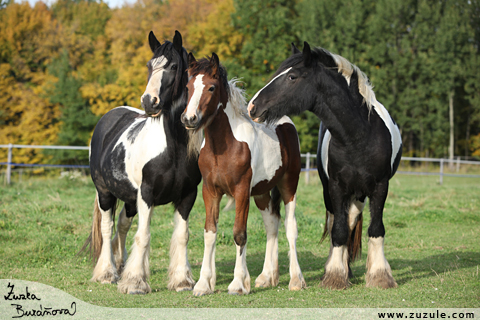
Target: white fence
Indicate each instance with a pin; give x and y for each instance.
(441, 171)
(307, 168)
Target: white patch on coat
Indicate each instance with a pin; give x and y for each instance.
(241, 277)
(376, 257)
(356, 207)
(262, 141)
(206, 283)
(291, 230)
(179, 269)
(258, 92)
(337, 260)
(392, 128)
(198, 87)
(150, 141)
(324, 153)
(155, 81)
(269, 275)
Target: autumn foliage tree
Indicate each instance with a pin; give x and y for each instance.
(63, 66)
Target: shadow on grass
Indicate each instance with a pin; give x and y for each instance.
(404, 269)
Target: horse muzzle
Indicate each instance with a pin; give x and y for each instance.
(190, 122)
(253, 112)
(152, 105)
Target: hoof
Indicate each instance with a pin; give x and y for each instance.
(335, 281)
(297, 284)
(381, 279)
(201, 293)
(237, 292)
(108, 277)
(264, 281)
(133, 286)
(137, 292)
(185, 285)
(239, 288)
(202, 288)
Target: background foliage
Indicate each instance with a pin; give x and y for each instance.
(63, 66)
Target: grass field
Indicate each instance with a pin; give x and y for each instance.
(432, 244)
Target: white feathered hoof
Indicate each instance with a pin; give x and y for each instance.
(135, 285)
(380, 279)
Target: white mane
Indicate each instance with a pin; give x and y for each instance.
(237, 99)
(346, 68)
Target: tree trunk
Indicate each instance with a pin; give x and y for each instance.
(451, 145)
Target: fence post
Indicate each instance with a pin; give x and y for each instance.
(307, 168)
(458, 164)
(441, 171)
(9, 166)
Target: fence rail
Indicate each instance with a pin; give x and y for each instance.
(307, 168)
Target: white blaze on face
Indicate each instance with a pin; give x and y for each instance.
(155, 81)
(198, 87)
(250, 104)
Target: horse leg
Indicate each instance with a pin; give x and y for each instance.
(241, 277)
(379, 273)
(118, 243)
(137, 270)
(105, 271)
(271, 219)
(179, 271)
(336, 267)
(355, 221)
(297, 282)
(208, 278)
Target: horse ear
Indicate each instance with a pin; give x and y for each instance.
(177, 42)
(153, 42)
(214, 62)
(191, 60)
(307, 54)
(294, 49)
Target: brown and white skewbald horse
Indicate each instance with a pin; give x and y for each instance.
(242, 158)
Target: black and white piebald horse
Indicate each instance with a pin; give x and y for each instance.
(142, 159)
(359, 150)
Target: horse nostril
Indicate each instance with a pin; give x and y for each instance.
(194, 118)
(154, 100)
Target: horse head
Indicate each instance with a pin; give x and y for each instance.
(207, 91)
(287, 90)
(166, 75)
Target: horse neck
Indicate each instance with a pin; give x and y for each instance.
(342, 113)
(172, 119)
(219, 132)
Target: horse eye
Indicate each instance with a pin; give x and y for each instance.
(291, 77)
(211, 89)
(174, 67)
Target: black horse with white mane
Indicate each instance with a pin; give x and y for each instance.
(359, 150)
(142, 159)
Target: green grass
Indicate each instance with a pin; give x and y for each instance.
(432, 244)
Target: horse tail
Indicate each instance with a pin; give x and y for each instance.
(325, 228)
(355, 241)
(230, 204)
(276, 199)
(95, 241)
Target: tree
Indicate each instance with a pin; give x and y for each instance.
(29, 38)
(76, 120)
(267, 27)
